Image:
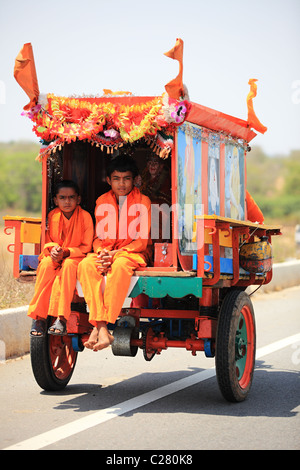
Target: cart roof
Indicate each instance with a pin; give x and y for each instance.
(198, 114)
(112, 121)
(217, 121)
(118, 118)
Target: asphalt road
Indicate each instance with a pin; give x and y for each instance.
(171, 403)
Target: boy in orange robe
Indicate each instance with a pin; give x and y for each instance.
(68, 239)
(122, 243)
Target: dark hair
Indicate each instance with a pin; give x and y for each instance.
(122, 163)
(66, 184)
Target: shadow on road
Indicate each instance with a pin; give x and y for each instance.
(274, 393)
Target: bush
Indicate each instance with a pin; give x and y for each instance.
(20, 177)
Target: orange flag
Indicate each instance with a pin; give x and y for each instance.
(252, 118)
(25, 74)
(175, 87)
(254, 214)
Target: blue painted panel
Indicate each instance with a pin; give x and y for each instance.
(28, 262)
(225, 264)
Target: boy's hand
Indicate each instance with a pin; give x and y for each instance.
(57, 254)
(104, 260)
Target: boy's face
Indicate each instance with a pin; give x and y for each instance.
(67, 200)
(154, 167)
(121, 183)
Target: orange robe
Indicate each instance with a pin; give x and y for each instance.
(55, 282)
(122, 233)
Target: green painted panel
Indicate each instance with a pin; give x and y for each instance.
(158, 287)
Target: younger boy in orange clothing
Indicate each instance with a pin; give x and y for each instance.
(121, 244)
(68, 239)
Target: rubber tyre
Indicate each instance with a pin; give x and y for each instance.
(235, 346)
(121, 345)
(53, 360)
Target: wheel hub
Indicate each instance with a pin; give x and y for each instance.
(241, 346)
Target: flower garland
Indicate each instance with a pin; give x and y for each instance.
(59, 120)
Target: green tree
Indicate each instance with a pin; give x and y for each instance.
(20, 177)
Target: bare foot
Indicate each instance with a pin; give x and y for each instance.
(105, 339)
(90, 343)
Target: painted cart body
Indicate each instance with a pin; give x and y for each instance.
(193, 297)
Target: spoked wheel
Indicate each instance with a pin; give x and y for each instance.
(52, 359)
(235, 346)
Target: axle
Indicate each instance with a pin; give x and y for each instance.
(156, 344)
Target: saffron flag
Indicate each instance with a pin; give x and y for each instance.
(175, 87)
(253, 121)
(254, 214)
(25, 74)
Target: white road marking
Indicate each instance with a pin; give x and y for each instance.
(62, 432)
(280, 344)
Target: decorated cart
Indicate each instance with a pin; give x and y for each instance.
(210, 242)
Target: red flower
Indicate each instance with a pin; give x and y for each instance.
(75, 114)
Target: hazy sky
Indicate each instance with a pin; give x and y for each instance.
(85, 46)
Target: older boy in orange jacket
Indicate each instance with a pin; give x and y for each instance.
(122, 244)
(69, 238)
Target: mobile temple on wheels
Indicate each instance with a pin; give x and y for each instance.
(209, 238)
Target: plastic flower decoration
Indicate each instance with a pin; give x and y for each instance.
(112, 133)
(179, 114)
(32, 111)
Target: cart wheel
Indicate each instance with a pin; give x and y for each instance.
(235, 346)
(52, 360)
